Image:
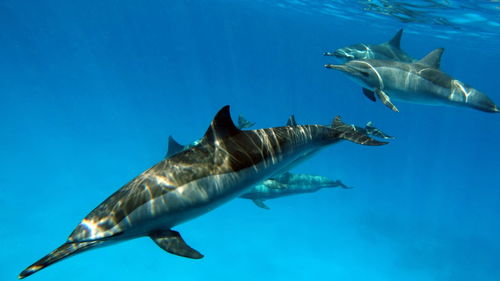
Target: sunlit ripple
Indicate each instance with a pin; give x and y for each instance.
(437, 17)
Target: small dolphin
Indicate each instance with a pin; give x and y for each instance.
(288, 184)
(421, 82)
(225, 163)
(390, 50)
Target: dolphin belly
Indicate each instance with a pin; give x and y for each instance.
(198, 197)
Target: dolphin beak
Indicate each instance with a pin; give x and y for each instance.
(342, 55)
(340, 67)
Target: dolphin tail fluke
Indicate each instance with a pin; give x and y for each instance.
(243, 123)
(349, 132)
(340, 184)
(373, 131)
(67, 249)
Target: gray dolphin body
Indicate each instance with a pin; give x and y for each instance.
(390, 50)
(421, 82)
(288, 184)
(225, 163)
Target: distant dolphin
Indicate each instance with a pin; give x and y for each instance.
(225, 163)
(421, 82)
(288, 184)
(390, 50)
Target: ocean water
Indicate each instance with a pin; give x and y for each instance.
(91, 90)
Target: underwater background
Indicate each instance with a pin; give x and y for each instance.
(91, 90)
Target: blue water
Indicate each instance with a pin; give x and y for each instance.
(90, 91)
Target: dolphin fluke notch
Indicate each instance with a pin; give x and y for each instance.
(351, 133)
(396, 40)
(66, 250)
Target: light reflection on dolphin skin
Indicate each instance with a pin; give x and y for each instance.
(390, 50)
(226, 162)
(288, 184)
(421, 82)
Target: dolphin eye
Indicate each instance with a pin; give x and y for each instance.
(365, 74)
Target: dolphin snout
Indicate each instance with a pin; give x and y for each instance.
(336, 66)
(328, 54)
(340, 54)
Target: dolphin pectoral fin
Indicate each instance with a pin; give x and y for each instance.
(260, 204)
(172, 242)
(384, 98)
(369, 94)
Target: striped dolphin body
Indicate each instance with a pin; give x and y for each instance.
(288, 184)
(421, 82)
(389, 50)
(192, 182)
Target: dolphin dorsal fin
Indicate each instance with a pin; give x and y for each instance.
(432, 59)
(222, 126)
(396, 40)
(173, 147)
(291, 121)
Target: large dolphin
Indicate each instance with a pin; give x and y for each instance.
(225, 163)
(288, 184)
(390, 50)
(421, 82)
